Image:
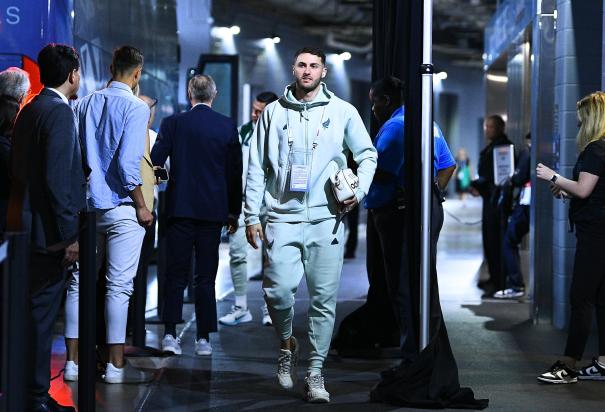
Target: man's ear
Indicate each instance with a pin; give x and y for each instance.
(324, 72)
(72, 76)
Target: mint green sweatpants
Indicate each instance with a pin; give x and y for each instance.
(315, 250)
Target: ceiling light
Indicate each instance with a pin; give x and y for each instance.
(345, 55)
(276, 39)
(497, 78)
(235, 30)
(441, 76)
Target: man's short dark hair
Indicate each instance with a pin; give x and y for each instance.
(311, 50)
(56, 61)
(389, 86)
(498, 122)
(266, 97)
(125, 60)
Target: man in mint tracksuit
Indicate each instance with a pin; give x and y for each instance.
(300, 141)
(238, 247)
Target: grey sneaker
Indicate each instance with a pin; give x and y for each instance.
(286, 364)
(203, 347)
(127, 374)
(315, 391)
(170, 344)
(70, 374)
(511, 293)
(236, 316)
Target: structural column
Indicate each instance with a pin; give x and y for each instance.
(578, 62)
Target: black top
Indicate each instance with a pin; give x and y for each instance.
(485, 169)
(591, 160)
(5, 150)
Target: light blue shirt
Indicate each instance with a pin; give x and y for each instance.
(113, 127)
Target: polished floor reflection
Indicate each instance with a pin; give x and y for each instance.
(499, 351)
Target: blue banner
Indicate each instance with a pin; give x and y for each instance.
(511, 18)
(28, 25)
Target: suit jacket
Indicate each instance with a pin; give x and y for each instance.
(49, 188)
(205, 164)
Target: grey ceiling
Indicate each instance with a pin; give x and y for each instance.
(457, 24)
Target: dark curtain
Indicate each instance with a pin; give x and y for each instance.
(373, 326)
(431, 379)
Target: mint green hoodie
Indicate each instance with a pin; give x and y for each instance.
(335, 126)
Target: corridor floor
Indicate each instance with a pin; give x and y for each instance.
(499, 351)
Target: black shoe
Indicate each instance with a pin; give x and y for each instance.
(559, 373)
(593, 372)
(51, 405)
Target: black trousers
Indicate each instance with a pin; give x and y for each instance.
(45, 303)
(492, 231)
(518, 227)
(385, 245)
(587, 293)
(352, 224)
(183, 235)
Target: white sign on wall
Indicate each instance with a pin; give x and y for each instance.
(504, 163)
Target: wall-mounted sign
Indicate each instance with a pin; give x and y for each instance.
(504, 163)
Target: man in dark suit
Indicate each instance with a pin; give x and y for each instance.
(204, 192)
(48, 192)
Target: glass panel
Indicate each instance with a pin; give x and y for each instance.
(221, 73)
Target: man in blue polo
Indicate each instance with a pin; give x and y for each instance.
(386, 201)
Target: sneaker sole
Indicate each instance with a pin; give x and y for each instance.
(574, 380)
(172, 351)
(243, 319)
(118, 381)
(592, 378)
(204, 353)
(317, 400)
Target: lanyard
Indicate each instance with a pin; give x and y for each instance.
(291, 139)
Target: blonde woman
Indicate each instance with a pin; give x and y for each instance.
(587, 214)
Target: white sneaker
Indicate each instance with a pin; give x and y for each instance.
(315, 391)
(170, 344)
(70, 374)
(286, 364)
(236, 316)
(266, 318)
(203, 348)
(127, 374)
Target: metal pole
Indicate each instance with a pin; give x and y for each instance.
(427, 172)
(87, 315)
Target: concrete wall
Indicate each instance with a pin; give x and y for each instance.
(578, 62)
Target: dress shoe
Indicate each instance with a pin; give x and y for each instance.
(51, 405)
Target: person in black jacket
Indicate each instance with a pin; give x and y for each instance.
(494, 210)
(48, 193)
(587, 214)
(204, 192)
(14, 86)
(517, 228)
